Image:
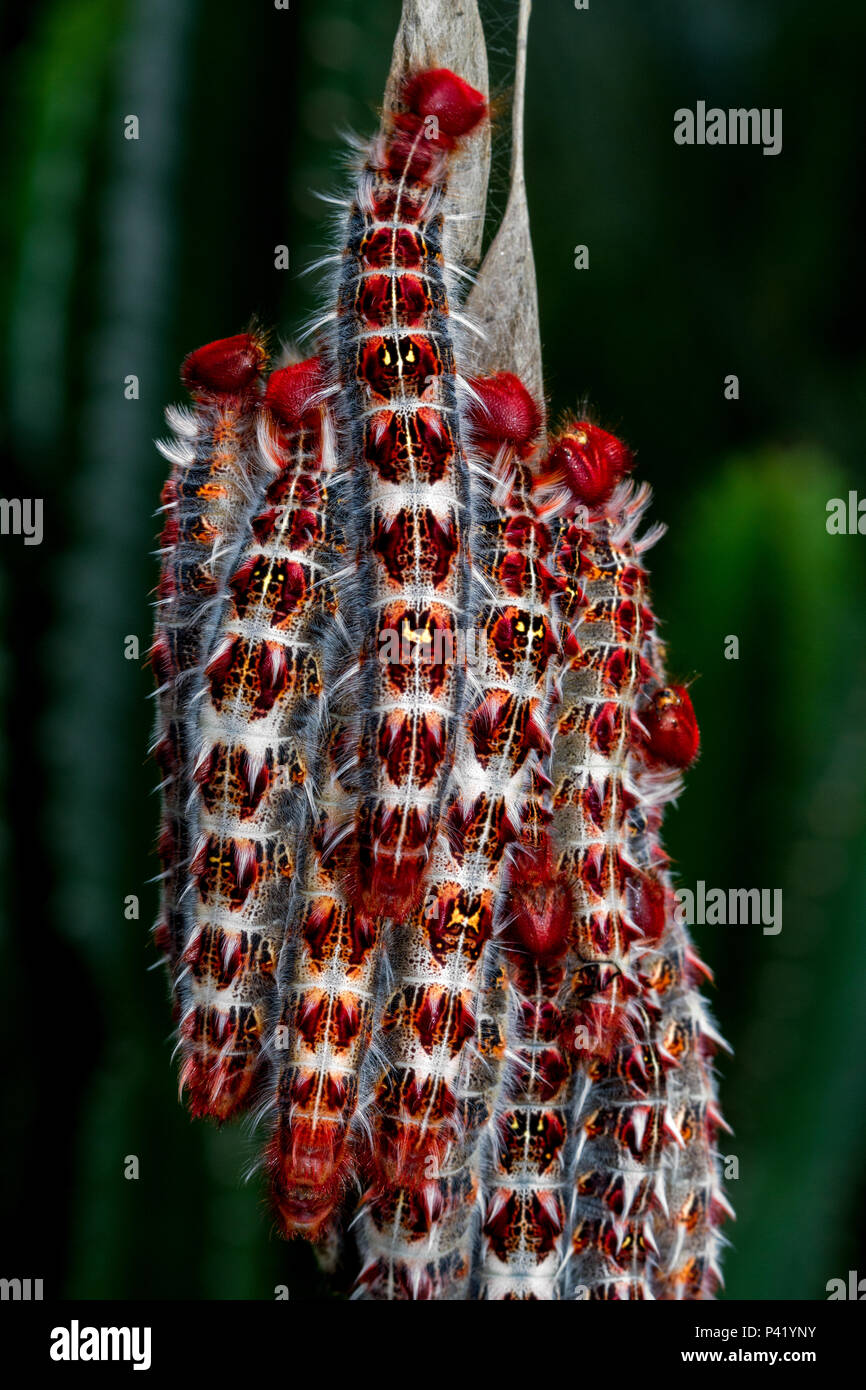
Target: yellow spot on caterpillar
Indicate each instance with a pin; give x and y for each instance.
(416, 634)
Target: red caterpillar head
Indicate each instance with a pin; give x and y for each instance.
(504, 413)
(227, 366)
(440, 93)
(588, 463)
(291, 391)
(672, 734)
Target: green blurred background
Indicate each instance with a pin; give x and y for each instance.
(118, 257)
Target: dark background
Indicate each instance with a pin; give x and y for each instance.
(118, 257)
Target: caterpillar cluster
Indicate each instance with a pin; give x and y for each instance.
(416, 740)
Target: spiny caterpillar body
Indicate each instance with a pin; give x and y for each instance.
(262, 692)
(417, 739)
(216, 470)
(399, 401)
(425, 1133)
(623, 737)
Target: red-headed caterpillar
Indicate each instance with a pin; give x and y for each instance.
(425, 1132)
(216, 470)
(397, 405)
(622, 738)
(256, 728)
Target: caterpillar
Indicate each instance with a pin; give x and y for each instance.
(253, 772)
(694, 1205)
(647, 1201)
(692, 1201)
(614, 1144)
(423, 1127)
(399, 400)
(524, 1176)
(417, 1240)
(519, 1161)
(526, 1168)
(622, 739)
(215, 470)
(616, 902)
(327, 1003)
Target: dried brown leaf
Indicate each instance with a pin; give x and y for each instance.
(448, 34)
(504, 299)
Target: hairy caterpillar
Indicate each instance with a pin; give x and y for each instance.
(607, 1024)
(691, 1201)
(525, 1200)
(424, 1128)
(215, 471)
(398, 401)
(622, 738)
(526, 1168)
(616, 902)
(328, 997)
(694, 1205)
(647, 1200)
(253, 773)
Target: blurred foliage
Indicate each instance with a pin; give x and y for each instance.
(120, 256)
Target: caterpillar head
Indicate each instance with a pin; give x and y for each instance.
(503, 412)
(672, 735)
(583, 467)
(440, 93)
(292, 392)
(225, 367)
